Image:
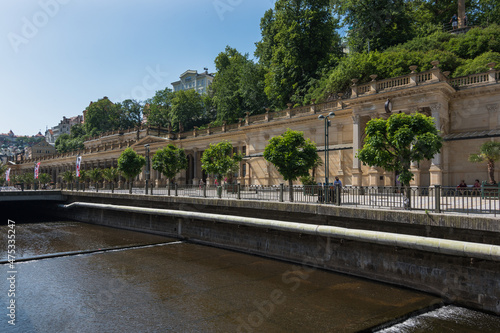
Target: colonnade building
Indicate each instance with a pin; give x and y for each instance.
(465, 111)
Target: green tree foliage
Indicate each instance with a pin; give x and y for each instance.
(489, 152)
(111, 175)
(95, 175)
(187, 109)
(375, 25)
(394, 143)
(420, 52)
(220, 160)
(84, 176)
(237, 87)
(130, 164)
(478, 64)
(130, 114)
(102, 116)
(66, 142)
(170, 161)
(28, 178)
(3, 169)
(298, 42)
(68, 177)
(485, 12)
(158, 108)
(292, 155)
(44, 179)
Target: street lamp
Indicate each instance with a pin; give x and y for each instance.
(327, 167)
(147, 166)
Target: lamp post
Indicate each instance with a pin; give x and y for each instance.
(147, 166)
(327, 167)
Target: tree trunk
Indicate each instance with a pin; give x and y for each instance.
(290, 190)
(491, 171)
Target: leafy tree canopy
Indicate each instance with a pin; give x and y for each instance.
(220, 160)
(298, 41)
(420, 52)
(237, 87)
(489, 152)
(157, 110)
(170, 160)
(101, 116)
(130, 163)
(375, 25)
(292, 155)
(187, 109)
(394, 143)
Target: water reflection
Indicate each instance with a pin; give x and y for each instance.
(183, 287)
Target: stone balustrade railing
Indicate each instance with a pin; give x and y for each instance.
(432, 75)
(469, 80)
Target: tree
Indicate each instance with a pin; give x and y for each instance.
(157, 110)
(68, 176)
(292, 155)
(130, 165)
(101, 116)
(394, 143)
(66, 142)
(95, 175)
(298, 41)
(375, 25)
(187, 109)
(220, 160)
(84, 176)
(489, 152)
(44, 179)
(111, 175)
(169, 161)
(238, 86)
(130, 114)
(3, 169)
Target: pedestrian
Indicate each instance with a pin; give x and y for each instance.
(465, 20)
(454, 21)
(337, 182)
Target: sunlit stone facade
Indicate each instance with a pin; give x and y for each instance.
(466, 111)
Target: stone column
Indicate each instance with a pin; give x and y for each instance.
(356, 145)
(436, 172)
(195, 166)
(416, 174)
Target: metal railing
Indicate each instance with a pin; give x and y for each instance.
(468, 200)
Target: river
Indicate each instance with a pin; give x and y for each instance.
(78, 277)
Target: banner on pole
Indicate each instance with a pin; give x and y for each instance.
(7, 175)
(78, 162)
(37, 168)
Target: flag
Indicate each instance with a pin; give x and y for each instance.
(37, 168)
(78, 162)
(7, 175)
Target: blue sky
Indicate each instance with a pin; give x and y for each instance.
(58, 55)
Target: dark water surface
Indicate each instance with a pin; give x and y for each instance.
(164, 285)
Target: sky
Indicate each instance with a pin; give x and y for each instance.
(56, 56)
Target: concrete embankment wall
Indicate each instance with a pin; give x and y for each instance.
(467, 280)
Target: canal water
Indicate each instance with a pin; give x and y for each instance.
(77, 277)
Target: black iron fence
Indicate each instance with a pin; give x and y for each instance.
(468, 200)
